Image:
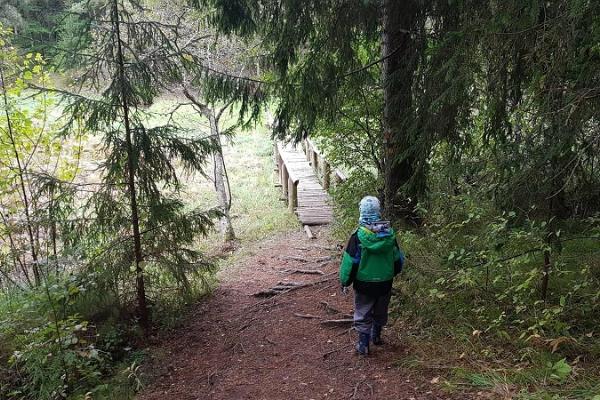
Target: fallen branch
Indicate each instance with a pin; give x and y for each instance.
(335, 350)
(294, 258)
(364, 381)
(318, 246)
(270, 341)
(307, 316)
(337, 322)
(209, 376)
(248, 323)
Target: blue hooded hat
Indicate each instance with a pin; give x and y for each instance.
(370, 210)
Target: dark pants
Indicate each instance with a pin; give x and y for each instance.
(370, 310)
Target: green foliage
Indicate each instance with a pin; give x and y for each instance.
(49, 349)
(30, 150)
(347, 196)
(144, 160)
(34, 22)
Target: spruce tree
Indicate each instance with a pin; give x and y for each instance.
(138, 216)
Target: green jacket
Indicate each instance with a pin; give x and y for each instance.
(371, 261)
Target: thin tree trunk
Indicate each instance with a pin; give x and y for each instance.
(221, 186)
(13, 250)
(53, 233)
(20, 172)
(546, 275)
(135, 222)
(221, 180)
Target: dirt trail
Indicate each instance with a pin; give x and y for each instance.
(237, 346)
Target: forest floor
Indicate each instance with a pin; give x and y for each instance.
(234, 345)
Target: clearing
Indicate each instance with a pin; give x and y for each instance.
(234, 345)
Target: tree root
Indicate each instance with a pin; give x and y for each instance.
(337, 322)
(285, 287)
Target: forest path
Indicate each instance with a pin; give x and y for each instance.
(237, 346)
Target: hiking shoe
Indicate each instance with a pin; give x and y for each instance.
(362, 347)
(376, 335)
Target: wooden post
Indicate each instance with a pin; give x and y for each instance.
(326, 175)
(281, 166)
(292, 195)
(284, 178)
(338, 178)
(277, 161)
(308, 149)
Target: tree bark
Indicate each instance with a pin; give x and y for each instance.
(135, 222)
(221, 182)
(399, 19)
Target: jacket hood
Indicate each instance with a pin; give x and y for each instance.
(376, 243)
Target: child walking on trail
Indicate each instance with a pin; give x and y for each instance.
(370, 262)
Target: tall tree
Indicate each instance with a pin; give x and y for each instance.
(437, 62)
(131, 60)
(317, 48)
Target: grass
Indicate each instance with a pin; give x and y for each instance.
(256, 209)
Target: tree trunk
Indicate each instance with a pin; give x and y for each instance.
(546, 275)
(399, 18)
(135, 222)
(221, 182)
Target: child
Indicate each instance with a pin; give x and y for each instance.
(371, 261)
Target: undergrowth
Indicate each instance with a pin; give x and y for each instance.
(76, 336)
(471, 304)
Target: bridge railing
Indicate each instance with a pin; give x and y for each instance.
(287, 179)
(321, 166)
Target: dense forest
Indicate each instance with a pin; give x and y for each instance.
(136, 141)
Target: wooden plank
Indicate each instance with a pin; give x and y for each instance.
(293, 195)
(308, 232)
(301, 186)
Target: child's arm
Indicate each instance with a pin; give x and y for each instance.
(350, 261)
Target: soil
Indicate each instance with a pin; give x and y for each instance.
(234, 345)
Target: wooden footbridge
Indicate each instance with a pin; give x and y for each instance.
(305, 178)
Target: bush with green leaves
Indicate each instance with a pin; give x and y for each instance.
(49, 350)
(487, 272)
